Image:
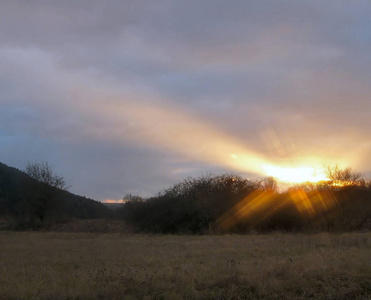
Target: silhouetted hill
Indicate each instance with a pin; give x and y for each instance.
(26, 202)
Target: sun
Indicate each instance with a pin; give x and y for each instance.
(287, 174)
(295, 174)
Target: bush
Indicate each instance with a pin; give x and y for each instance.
(229, 203)
(190, 206)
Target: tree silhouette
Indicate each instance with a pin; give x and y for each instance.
(343, 176)
(269, 184)
(42, 199)
(44, 173)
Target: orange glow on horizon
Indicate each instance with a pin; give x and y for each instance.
(110, 201)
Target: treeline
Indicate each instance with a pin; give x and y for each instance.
(39, 198)
(231, 204)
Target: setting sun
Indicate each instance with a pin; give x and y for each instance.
(261, 165)
(295, 175)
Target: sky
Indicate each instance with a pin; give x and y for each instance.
(131, 97)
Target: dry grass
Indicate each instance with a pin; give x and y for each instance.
(116, 266)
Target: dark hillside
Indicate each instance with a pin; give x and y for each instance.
(28, 203)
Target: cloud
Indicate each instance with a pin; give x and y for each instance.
(149, 92)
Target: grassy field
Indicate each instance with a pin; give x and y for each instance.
(36, 265)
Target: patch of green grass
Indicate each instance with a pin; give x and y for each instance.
(36, 265)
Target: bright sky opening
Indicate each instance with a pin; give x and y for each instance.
(296, 175)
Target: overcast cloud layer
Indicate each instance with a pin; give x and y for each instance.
(132, 96)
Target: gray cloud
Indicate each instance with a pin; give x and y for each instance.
(98, 87)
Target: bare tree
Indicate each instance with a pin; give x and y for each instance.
(44, 173)
(269, 184)
(132, 198)
(343, 175)
(42, 199)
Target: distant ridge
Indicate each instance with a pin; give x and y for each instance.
(26, 202)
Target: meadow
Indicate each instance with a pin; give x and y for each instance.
(51, 265)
